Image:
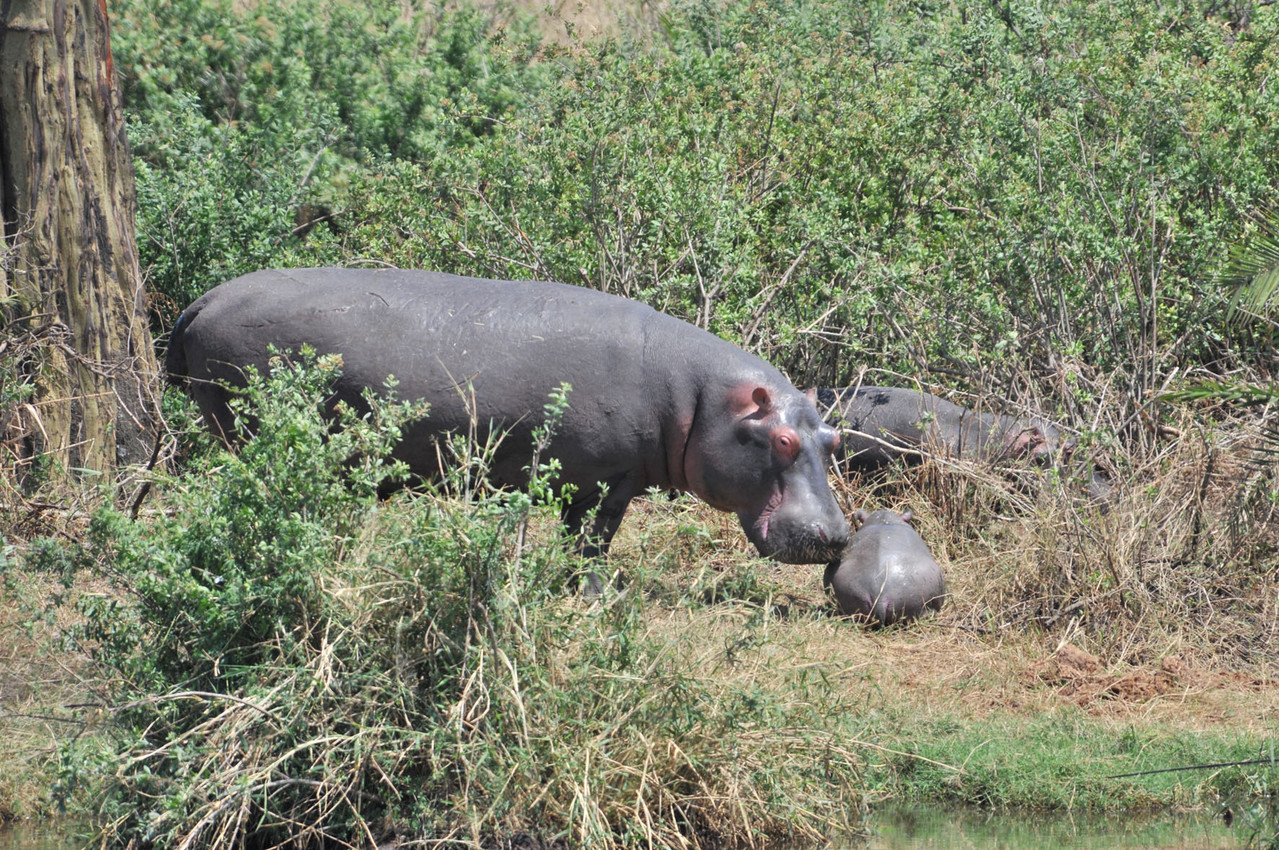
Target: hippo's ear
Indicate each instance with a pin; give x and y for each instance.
(861, 516)
(908, 515)
(811, 395)
(762, 399)
(751, 402)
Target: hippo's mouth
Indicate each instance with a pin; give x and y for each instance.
(807, 550)
(763, 520)
(785, 541)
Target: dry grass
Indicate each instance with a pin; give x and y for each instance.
(963, 661)
(43, 697)
(1159, 607)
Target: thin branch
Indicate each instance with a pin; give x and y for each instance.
(1212, 766)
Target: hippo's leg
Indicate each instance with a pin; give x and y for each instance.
(609, 505)
(213, 399)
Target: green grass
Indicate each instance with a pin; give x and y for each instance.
(1060, 762)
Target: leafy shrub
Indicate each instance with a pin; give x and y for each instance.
(986, 193)
(214, 202)
(983, 191)
(233, 579)
(290, 661)
(247, 119)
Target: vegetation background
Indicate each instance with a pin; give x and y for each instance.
(1018, 206)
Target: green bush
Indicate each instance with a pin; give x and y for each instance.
(214, 202)
(982, 192)
(289, 661)
(248, 120)
(951, 188)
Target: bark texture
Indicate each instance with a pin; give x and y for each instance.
(70, 287)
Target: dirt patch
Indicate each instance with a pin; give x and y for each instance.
(1079, 678)
(569, 21)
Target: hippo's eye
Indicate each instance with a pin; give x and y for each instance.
(786, 443)
(829, 439)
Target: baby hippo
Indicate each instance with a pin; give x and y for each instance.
(886, 573)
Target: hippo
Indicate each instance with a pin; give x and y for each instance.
(654, 401)
(880, 424)
(884, 423)
(886, 573)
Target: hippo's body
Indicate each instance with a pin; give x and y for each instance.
(655, 402)
(881, 424)
(884, 423)
(886, 573)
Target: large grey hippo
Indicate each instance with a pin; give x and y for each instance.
(655, 402)
(886, 573)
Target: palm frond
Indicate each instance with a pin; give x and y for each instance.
(1222, 391)
(1264, 456)
(1252, 268)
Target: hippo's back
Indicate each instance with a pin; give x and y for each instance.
(482, 353)
(886, 573)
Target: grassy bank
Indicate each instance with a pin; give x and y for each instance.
(771, 687)
(270, 653)
(282, 656)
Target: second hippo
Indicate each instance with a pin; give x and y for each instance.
(881, 424)
(886, 573)
(884, 423)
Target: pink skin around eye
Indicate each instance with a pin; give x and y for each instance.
(786, 443)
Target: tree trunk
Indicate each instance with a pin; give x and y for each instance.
(74, 327)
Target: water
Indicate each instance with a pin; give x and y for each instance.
(42, 836)
(901, 828)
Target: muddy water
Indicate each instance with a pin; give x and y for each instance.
(919, 828)
(41, 836)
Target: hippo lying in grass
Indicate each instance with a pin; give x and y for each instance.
(880, 424)
(655, 402)
(884, 423)
(886, 573)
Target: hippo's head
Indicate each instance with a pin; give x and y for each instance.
(1034, 439)
(1046, 446)
(882, 518)
(763, 453)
